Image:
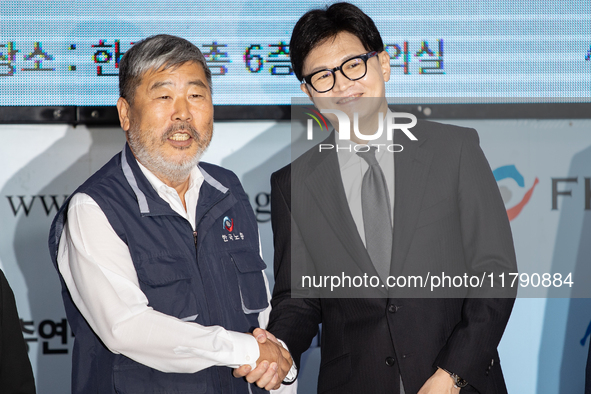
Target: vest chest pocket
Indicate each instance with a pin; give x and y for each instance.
(245, 281)
(167, 282)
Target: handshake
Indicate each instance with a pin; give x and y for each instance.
(272, 366)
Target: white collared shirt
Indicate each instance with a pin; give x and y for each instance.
(99, 273)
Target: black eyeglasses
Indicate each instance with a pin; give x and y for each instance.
(353, 69)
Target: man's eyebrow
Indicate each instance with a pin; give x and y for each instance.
(342, 60)
(198, 82)
(160, 84)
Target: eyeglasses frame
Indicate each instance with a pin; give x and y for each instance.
(365, 57)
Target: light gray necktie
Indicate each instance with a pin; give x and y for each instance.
(377, 218)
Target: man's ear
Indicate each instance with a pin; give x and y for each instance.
(123, 109)
(304, 87)
(384, 57)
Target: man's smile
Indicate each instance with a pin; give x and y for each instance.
(350, 98)
(179, 137)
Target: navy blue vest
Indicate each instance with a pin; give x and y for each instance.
(211, 276)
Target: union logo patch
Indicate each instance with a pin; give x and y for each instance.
(228, 224)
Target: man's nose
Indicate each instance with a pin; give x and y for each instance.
(182, 111)
(341, 83)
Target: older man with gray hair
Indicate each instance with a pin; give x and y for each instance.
(158, 253)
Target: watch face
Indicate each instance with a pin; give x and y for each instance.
(460, 382)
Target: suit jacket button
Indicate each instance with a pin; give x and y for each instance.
(390, 361)
(392, 308)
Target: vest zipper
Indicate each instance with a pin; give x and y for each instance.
(196, 248)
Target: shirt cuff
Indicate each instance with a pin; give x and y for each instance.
(293, 371)
(246, 349)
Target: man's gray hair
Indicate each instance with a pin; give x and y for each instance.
(162, 51)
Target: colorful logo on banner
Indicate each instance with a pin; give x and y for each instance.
(228, 224)
(510, 171)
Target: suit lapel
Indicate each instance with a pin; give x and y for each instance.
(411, 168)
(326, 186)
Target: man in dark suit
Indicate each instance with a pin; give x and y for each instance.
(447, 218)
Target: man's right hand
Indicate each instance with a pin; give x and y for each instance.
(272, 366)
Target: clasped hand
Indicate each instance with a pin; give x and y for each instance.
(272, 366)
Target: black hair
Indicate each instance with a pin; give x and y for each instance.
(318, 25)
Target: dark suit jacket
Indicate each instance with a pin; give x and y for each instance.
(448, 213)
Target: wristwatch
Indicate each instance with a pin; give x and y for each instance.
(458, 382)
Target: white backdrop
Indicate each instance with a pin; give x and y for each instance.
(545, 345)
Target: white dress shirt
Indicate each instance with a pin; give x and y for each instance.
(99, 273)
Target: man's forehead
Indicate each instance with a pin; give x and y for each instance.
(332, 51)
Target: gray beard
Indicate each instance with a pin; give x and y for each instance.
(156, 163)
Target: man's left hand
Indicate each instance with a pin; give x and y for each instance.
(439, 383)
